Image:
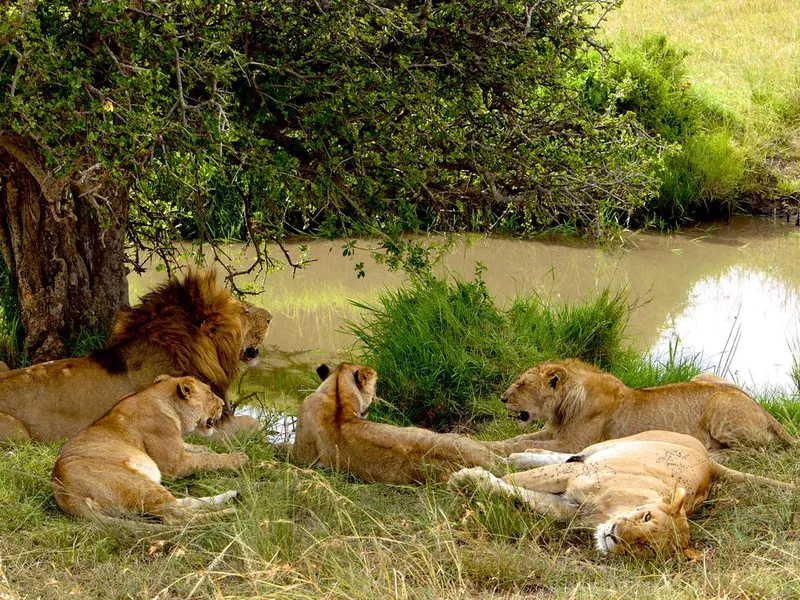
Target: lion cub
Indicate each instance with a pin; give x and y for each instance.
(332, 432)
(113, 467)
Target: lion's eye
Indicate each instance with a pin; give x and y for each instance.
(647, 516)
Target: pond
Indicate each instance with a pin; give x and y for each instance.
(727, 294)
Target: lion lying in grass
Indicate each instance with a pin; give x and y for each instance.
(636, 492)
(332, 432)
(113, 468)
(582, 405)
(190, 327)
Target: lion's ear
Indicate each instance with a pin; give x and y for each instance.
(323, 371)
(160, 378)
(677, 501)
(555, 377)
(185, 388)
(364, 376)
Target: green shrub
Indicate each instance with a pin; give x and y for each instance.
(705, 171)
(702, 181)
(444, 351)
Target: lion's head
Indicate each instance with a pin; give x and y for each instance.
(197, 406)
(660, 527)
(553, 391)
(350, 383)
(255, 324)
(190, 327)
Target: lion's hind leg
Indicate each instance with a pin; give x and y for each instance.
(745, 423)
(544, 503)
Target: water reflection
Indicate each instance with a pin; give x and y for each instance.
(699, 286)
(742, 323)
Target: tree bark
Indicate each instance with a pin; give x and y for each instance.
(64, 249)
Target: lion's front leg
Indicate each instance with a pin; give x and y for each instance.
(186, 464)
(520, 443)
(12, 430)
(552, 505)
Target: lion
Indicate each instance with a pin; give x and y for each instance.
(636, 492)
(582, 405)
(332, 432)
(189, 327)
(113, 468)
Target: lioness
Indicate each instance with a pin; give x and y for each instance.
(583, 405)
(332, 432)
(190, 327)
(113, 468)
(635, 491)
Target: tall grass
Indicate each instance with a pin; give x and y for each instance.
(444, 350)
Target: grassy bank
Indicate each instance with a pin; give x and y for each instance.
(309, 534)
(741, 66)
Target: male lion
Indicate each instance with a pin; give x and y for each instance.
(635, 491)
(190, 327)
(332, 432)
(583, 405)
(113, 467)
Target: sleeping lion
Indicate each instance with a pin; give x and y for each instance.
(332, 432)
(582, 405)
(636, 492)
(113, 468)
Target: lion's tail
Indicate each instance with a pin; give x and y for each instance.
(722, 472)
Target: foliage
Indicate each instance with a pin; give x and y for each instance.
(12, 343)
(258, 120)
(444, 351)
(705, 172)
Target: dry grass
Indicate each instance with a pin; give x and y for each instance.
(310, 534)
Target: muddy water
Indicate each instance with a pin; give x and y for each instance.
(728, 294)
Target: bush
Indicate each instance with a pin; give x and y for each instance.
(444, 351)
(705, 172)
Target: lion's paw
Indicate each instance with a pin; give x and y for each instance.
(470, 477)
(238, 459)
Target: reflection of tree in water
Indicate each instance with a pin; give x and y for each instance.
(742, 323)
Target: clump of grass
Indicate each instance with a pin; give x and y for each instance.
(444, 350)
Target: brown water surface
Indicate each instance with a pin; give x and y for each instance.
(727, 293)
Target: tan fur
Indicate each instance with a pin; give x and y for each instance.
(113, 467)
(636, 491)
(3, 367)
(582, 405)
(190, 327)
(332, 432)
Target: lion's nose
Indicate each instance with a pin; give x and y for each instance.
(504, 399)
(250, 353)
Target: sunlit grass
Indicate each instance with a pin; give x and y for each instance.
(741, 50)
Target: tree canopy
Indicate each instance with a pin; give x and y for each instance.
(260, 120)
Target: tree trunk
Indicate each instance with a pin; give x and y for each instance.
(63, 247)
